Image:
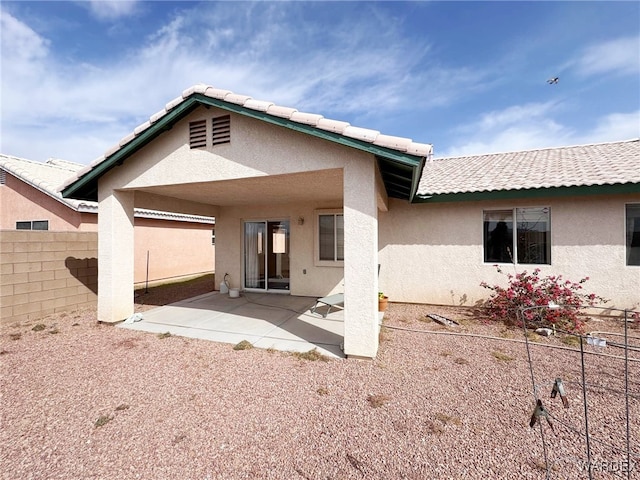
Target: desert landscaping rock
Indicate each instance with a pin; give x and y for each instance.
(98, 402)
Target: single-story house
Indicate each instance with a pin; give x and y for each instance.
(30, 200)
(311, 206)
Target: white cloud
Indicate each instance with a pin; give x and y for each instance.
(517, 114)
(55, 140)
(363, 70)
(538, 125)
(525, 136)
(616, 56)
(254, 51)
(20, 41)
(532, 126)
(615, 126)
(108, 10)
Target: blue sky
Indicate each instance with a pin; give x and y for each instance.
(467, 77)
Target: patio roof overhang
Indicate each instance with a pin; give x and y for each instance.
(400, 171)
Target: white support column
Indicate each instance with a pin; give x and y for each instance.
(115, 255)
(361, 260)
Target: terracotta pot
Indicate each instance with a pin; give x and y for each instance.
(383, 303)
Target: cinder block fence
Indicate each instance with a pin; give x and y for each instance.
(44, 272)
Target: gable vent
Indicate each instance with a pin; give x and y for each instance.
(3, 177)
(198, 134)
(221, 128)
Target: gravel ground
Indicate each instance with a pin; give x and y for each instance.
(82, 400)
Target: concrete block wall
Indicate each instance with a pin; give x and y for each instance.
(44, 272)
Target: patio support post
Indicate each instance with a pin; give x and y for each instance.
(361, 260)
(115, 255)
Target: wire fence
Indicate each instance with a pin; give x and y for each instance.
(586, 404)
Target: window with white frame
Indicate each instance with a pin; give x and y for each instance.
(33, 225)
(330, 237)
(632, 215)
(517, 235)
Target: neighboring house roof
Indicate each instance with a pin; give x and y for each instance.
(47, 177)
(400, 159)
(605, 168)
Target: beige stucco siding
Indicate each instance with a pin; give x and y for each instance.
(433, 253)
(281, 159)
(20, 201)
(266, 172)
(306, 278)
(256, 149)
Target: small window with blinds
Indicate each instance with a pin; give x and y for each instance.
(198, 134)
(3, 177)
(221, 130)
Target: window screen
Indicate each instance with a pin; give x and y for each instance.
(633, 233)
(528, 241)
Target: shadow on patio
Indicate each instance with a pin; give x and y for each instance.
(281, 322)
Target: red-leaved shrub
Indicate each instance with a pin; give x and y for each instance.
(530, 290)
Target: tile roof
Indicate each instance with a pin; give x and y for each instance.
(47, 177)
(373, 137)
(343, 128)
(576, 166)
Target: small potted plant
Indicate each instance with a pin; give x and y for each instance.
(383, 302)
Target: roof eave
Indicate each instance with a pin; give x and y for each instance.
(310, 130)
(570, 191)
(85, 187)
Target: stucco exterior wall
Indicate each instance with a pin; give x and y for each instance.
(256, 149)
(316, 282)
(266, 172)
(19, 201)
(175, 249)
(433, 253)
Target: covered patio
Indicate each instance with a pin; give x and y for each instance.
(295, 196)
(280, 322)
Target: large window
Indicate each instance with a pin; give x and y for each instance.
(525, 241)
(330, 235)
(34, 225)
(633, 233)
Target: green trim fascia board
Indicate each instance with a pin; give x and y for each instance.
(405, 158)
(163, 124)
(415, 182)
(82, 189)
(615, 189)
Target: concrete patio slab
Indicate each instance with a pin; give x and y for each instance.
(281, 322)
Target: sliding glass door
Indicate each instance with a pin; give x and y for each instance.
(266, 255)
(254, 255)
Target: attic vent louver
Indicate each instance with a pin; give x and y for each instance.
(3, 177)
(221, 129)
(198, 134)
